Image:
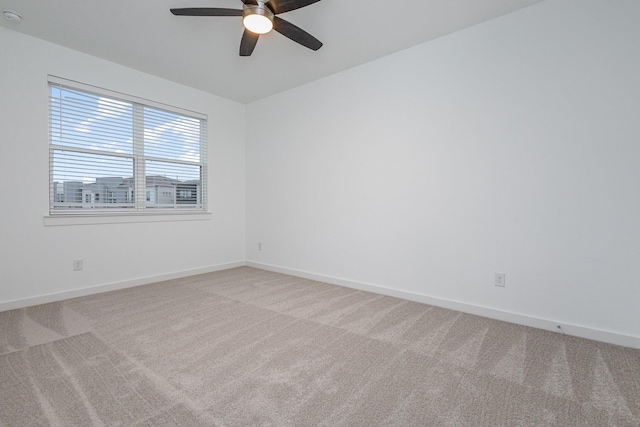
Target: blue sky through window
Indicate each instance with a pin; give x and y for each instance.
(99, 124)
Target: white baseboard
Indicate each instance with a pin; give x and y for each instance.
(59, 296)
(520, 319)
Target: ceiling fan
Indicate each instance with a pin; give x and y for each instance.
(259, 17)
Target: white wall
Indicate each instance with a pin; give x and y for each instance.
(512, 146)
(36, 260)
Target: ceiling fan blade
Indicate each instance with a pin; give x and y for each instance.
(282, 6)
(249, 1)
(296, 34)
(206, 11)
(248, 43)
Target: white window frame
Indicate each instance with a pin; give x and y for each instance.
(135, 213)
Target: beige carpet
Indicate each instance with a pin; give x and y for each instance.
(245, 347)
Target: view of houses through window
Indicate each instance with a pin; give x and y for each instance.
(160, 191)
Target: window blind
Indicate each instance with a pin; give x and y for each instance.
(110, 152)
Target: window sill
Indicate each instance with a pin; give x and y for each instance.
(125, 218)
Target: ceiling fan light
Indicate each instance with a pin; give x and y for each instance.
(258, 24)
(258, 18)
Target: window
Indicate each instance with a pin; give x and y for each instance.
(114, 153)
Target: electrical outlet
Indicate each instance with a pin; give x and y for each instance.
(77, 265)
(259, 246)
(500, 280)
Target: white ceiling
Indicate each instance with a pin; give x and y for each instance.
(202, 52)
